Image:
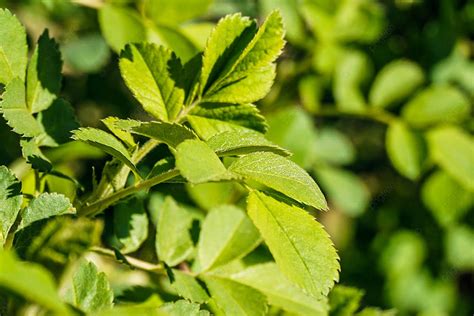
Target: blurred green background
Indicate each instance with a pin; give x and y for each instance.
(374, 98)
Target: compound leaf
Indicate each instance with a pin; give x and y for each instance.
(30, 281)
(13, 48)
(282, 175)
(43, 78)
(437, 104)
(226, 234)
(171, 134)
(241, 143)
(453, 150)
(173, 240)
(90, 291)
(406, 149)
(14, 109)
(236, 299)
(44, 206)
(150, 73)
(10, 201)
(300, 245)
(388, 87)
(106, 142)
(198, 163)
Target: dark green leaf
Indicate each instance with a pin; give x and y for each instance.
(10, 201)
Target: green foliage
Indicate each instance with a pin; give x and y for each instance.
(10, 201)
(13, 48)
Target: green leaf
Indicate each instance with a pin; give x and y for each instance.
(406, 149)
(58, 122)
(188, 287)
(212, 194)
(87, 53)
(130, 225)
(13, 48)
(90, 291)
(388, 89)
(181, 308)
(294, 25)
(150, 73)
(30, 281)
(351, 72)
(56, 241)
(44, 206)
(33, 155)
(171, 12)
(111, 122)
(120, 25)
(437, 104)
(210, 119)
(241, 143)
(458, 247)
(334, 147)
(447, 200)
(238, 60)
(453, 150)
(226, 234)
(43, 78)
(15, 112)
(301, 247)
(171, 134)
(347, 191)
(10, 201)
(280, 292)
(282, 175)
(236, 299)
(105, 141)
(173, 240)
(198, 163)
(293, 129)
(344, 300)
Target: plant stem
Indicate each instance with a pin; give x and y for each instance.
(137, 263)
(100, 205)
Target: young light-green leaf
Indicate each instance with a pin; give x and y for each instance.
(10, 201)
(453, 150)
(300, 245)
(280, 292)
(282, 175)
(13, 48)
(171, 134)
(248, 76)
(178, 308)
(113, 124)
(241, 143)
(150, 72)
(188, 287)
(226, 234)
(106, 142)
(406, 149)
(90, 291)
(210, 119)
(31, 281)
(437, 104)
(14, 109)
(173, 240)
(198, 163)
(236, 299)
(395, 82)
(130, 224)
(44, 206)
(43, 78)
